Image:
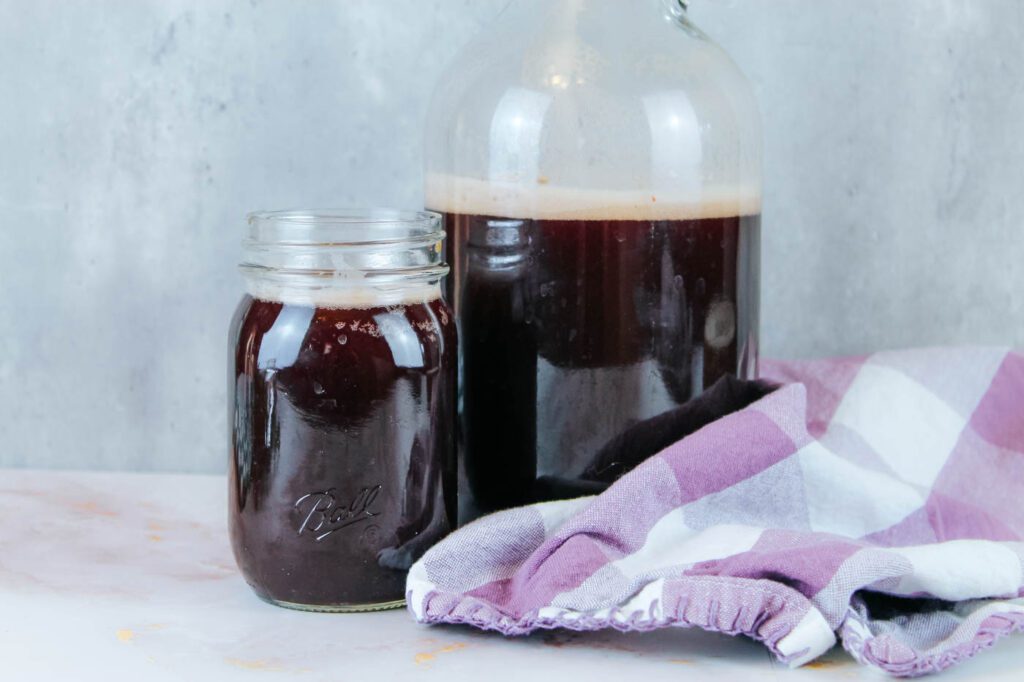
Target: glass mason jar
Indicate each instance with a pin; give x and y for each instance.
(598, 163)
(342, 397)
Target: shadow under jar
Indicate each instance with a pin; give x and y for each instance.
(342, 396)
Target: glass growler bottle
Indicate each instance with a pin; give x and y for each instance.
(598, 163)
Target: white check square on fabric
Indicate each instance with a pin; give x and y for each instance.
(907, 426)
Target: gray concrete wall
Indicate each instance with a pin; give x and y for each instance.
(134, 135)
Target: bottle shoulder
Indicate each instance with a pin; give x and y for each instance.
(557, 54)
(591, 95)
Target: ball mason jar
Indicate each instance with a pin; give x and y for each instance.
(342, 406)
(598, 163)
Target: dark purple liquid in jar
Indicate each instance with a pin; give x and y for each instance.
(574, 329)
(342, 471)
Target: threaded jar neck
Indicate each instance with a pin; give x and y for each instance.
(344, 257)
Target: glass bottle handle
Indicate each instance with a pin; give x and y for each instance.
(676, 8)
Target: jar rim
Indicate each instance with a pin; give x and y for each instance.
(354, 227)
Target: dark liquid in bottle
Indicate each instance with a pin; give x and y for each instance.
(575, 330)
(343, 469)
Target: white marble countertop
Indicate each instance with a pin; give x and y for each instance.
(130, 576)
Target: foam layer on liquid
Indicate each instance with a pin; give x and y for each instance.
(343, 298)
(541, 201)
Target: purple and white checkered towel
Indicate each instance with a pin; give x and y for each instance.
(878, 499)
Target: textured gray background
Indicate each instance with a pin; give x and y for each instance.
(134, 136)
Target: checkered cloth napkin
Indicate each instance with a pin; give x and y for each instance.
(877, 500)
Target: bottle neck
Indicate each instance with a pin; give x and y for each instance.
(674, 7)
